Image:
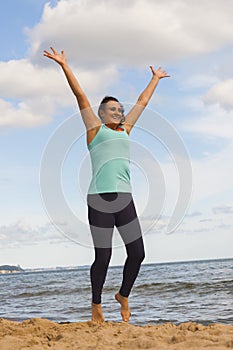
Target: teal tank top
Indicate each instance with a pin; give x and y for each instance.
(110, 158)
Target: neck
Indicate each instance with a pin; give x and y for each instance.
(113, 126)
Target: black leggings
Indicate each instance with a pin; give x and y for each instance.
(104, 212)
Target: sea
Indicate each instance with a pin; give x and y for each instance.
(198, 291)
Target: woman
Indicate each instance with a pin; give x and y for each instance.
(109, 198)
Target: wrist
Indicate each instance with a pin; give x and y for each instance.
(63, 65)
(155, 78)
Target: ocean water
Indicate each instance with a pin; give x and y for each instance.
(173, 292)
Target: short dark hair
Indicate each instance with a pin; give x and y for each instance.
(105, 100)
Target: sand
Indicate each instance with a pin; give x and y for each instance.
(38, 334)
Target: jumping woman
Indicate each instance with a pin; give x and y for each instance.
(109, 198)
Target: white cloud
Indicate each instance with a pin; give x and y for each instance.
(34, 88)
(213, 175)
(22, 233)
(40, 90)
(223, 209)
(21, 79)
(221, 93)
(20, 116)
(206, 222)
(210, 122)
(132, 33)
(100, 36)
(213, 172)
(24, 80)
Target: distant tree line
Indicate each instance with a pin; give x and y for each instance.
(11, 268)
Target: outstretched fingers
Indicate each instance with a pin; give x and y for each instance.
(54, 55)
(47, 54)
(163, 74)
(159, 72)
(54, 51)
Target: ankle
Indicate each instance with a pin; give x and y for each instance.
(97, 313)
(122, 297)
(96, 305)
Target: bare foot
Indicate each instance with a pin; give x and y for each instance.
(97, 314)
(125, 310)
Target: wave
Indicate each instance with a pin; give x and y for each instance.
(52, 292)
(181, 286)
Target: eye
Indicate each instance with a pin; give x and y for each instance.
(113, 109)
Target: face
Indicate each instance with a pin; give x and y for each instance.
(112, 113)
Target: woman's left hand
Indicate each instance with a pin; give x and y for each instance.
(159, 73)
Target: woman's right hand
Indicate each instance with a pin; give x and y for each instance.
(59, 58)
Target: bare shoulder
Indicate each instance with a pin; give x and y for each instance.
(91, 133)
(90, 120)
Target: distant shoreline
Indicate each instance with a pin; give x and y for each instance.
(9, 269)
(17, 269)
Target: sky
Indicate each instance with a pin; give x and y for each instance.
(182, 145)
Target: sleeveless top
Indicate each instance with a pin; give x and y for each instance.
(110, 158)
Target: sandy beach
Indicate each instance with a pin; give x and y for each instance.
(37, 334)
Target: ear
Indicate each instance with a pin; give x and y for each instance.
(101, 114)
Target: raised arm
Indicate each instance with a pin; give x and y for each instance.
(89, 117)
(144, 97)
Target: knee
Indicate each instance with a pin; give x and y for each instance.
(102, 259)
(141, 256)
(103, 262)
(138, 255)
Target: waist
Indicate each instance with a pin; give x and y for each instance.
(109, 202)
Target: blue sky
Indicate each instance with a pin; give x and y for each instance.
(110, 46)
